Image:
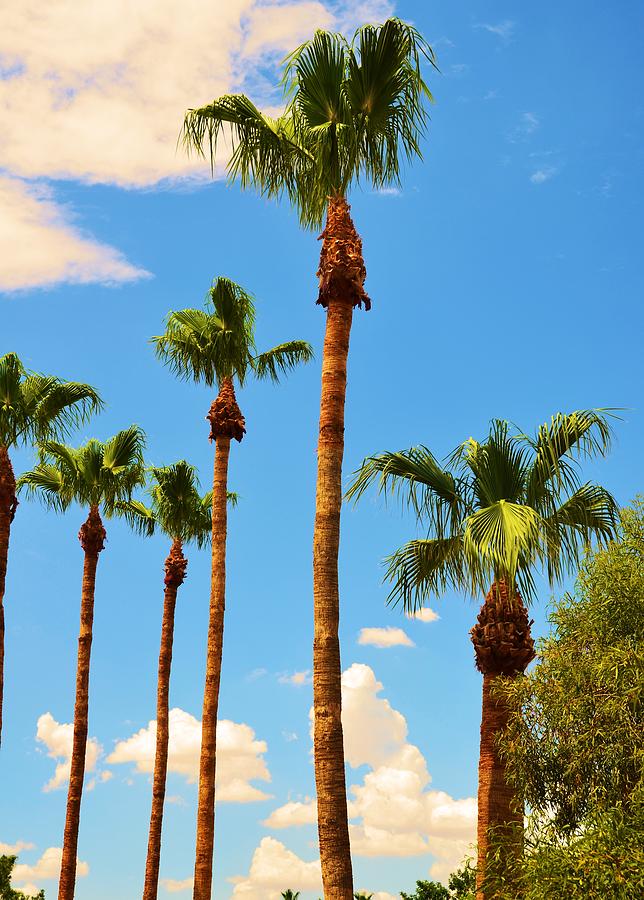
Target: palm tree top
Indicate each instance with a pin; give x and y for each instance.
(218, 342)
(498, 508)
(354, 110)
(177, 508)
(35, 407)
(97, 474)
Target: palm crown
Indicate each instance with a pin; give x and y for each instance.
(96, 475)
(353, 110)
(37, 407)
(219, 342)
(498, 508)
(177, 508)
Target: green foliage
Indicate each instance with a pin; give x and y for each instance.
(497, 509)
(37, 407)
(177, 507)
(574, 743)
(218, 342)
(354, 111)
(6, 891)
(97, 474)
(462, 886)
(290, 895)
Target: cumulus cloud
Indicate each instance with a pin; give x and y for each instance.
(29, 878)
(297, 678)
(393, 811)
(14, 849)
(273, 868)
(95, 94)
(385, 637)
(42, 246)
(424, 615)
(59, 738)
(239, 755)
(172, 886)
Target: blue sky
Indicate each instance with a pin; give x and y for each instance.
(505, 283)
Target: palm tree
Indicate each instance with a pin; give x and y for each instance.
(353, 112)
(99, 476)
(33, 408)
(290, 895)
(217, 345)
(183, 515)
(496, 511)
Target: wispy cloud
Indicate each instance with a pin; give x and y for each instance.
(504, 29)
(545, 173)
(459, 69)
(491, 95)
(297, 678)
(385, 637)
(528, 123)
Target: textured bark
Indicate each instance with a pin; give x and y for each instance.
(8, 504)
(504, 648)
(226, 422)
(341, 274)
(175, 571)
(92, 539)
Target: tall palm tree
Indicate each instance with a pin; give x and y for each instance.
(354, 111)
(33, 408)
(183, 515)
(97, 475)
(496, 512)
(217, 346)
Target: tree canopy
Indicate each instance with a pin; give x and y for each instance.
(6, 891)
(574, 742)
(353, 111)
(498, 508)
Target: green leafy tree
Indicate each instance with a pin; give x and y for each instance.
(427, 890)
(6, 891)
(33, 408)
(179, 511)
(573, 745)
(354, 111)
(216, 346)
(496, 512)
(462, 886)
(290, 895)
(99, 476)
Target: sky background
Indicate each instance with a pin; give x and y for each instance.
(505, 282)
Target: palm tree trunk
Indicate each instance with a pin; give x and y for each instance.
(504, 648)
(226, 422)
(92, 538)
(8, 504)
(500, 814)
(341, 275)
(175, 570)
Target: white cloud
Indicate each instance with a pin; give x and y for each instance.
(393, 811)
(14, 849)
(272, 869)
(504, 29)
(172, 886)
(385, 637)
(239, 755)
(95, 94)
(59, 738)
(42, 246)
(29, 878)
(297, 678)
(424, 615)
(543, 174)
(526, 126)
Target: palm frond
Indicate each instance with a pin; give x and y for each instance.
(422, 568)
(499, 535)
(124, 450)
(282, 359)
(138, 516)
(48, 483)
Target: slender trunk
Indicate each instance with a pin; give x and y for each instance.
(341, 275)
(8, 504)
(500, 815)
(226, 422)
(175, 569)
(92, 538)
(504, 648)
